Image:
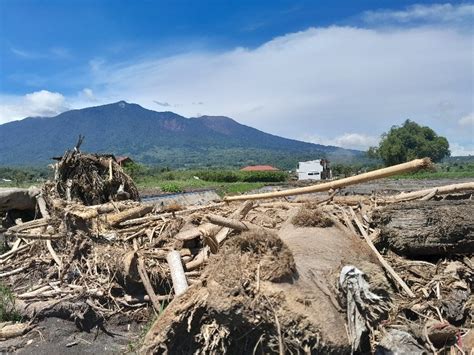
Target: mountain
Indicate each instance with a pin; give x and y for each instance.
(150, 137)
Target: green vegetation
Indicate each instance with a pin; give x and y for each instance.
(7, 306)
(19, 177)
(223, 180)
(446, 170)
(408, 142)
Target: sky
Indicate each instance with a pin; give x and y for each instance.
(329, 72)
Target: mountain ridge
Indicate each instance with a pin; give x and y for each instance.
(151, 137)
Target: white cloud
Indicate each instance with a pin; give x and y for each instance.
(88, 94)
(347, 140)
(39, 103)
(321, 82)
(461, 150)
(467, 121)
(430, 13)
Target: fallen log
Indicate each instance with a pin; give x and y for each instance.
(18, 199)
(337, 184)
(135, 212)
(439, 190)
(426, 227)
(178, 277)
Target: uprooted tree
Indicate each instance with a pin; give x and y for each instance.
(410, 141)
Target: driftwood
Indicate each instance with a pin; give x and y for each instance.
(382, 261)
(439, 190)
(18, 199)
(180, 284)
(372, 175)
(427, 227)
(147, 284)
(135, 212)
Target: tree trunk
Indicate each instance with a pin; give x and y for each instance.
(427, 227)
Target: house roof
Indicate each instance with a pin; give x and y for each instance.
(259, 168)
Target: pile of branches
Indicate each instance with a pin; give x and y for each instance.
(92, 179)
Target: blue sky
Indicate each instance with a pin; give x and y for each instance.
(338, 72)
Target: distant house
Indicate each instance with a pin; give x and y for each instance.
(314, 170)
(122, 161)
(259, 168)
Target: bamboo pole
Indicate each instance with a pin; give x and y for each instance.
(337, 184)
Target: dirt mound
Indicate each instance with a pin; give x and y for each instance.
(310, 215)
(237, 309)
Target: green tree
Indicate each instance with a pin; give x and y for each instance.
(410, 141)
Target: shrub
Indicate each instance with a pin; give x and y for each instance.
(7, 305)
(171, 187)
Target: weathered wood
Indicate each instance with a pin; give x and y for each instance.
(427, 228)
(180, 284)
(147, 284)
(439, 190)
(135, 212)
(372, 175)
(380, 258)
(18, 199)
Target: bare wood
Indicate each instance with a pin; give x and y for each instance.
(55, 256)
(372, 175)
(145, 298)
(164, 215)
(11, 330)
(111, 175)
(382, 261)
(430, 195)
(228, 222)
(180, 284)
(441, 190)
(15, 251)
(42, 206)
(38, 236)
(200, 258)
(135, 212)
(41, 222)
(147, 284)
(13, 272)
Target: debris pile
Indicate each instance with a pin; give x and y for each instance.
(242, 276)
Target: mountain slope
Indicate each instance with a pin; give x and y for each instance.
(151, 137)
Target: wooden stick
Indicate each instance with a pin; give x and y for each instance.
(13, 272)
(147, 284)
(180, 284)
(372, 175)
(53, 254)
(17, 250)
(163, 215)
(382, 261)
